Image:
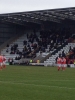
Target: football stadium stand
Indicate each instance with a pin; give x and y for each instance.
(38, 37)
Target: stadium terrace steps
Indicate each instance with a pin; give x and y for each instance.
(52, 60)
(19, 41)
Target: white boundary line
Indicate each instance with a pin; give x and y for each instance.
(10, 82)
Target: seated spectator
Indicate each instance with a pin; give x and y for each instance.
(16, 58)
(24, 42)
(7, 50)
(7, 45)
(63, 54)
(10, 60)
(12, 52)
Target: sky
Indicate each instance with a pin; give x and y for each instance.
(12, 6)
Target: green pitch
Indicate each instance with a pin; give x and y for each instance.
(37, 83)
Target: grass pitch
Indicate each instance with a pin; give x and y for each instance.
(37, 83)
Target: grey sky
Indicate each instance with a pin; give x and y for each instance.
(9, 6)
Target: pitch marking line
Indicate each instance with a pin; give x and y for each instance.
(10, 82)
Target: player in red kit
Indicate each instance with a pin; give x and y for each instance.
(4, 60)
(63, 63)
(1, 62)
(59, 63)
